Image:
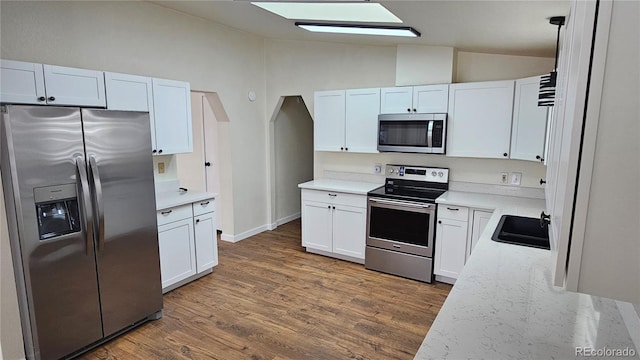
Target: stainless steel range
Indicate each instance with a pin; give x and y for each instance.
(401, 218)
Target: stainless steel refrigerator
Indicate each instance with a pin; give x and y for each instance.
(80, 200)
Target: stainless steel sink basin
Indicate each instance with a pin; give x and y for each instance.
(522, 231)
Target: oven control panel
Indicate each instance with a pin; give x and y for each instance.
(421, 173)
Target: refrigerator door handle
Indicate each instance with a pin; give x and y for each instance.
(87, 213)
(98, 205)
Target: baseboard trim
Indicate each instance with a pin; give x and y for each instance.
(445, 279)
(287, 219)
(244, 235)
(631, 319)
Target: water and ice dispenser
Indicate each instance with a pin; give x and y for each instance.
(57, 210)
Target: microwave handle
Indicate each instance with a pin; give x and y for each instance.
(430, 134)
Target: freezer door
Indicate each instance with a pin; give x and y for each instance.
(44, 161)
(118, 148)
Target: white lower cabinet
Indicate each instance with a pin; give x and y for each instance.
(188, 244)
(458, 229)
(451, 244)
(177, 252)
(334, 224)
(206, 242)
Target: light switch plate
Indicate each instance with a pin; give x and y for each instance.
(515, 178)
(160, 168)
(504, 178)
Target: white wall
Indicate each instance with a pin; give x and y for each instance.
(420, 65)
(146, 39)
(293, 143)
(485, 67)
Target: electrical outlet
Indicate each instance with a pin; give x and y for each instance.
(377, 168)
(504, 178)
(515, 178)
(160, 168)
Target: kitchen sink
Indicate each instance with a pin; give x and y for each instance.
(522, 231)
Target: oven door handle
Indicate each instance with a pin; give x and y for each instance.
(402, 203)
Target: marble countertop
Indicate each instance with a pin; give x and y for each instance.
(344, 186)
(172, 198)
(504, 305)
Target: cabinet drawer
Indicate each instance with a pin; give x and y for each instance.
(336, 198)
(174, 214)
(204, 206)
(453, 212)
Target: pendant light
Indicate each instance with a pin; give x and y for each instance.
(547, 93)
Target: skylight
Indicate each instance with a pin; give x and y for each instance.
(347, 12)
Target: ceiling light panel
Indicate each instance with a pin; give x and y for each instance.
(348, 12)
(360, 30)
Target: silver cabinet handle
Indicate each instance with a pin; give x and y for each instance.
(166, 212)
(98, 205)
(86, 201)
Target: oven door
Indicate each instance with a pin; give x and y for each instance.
(399, 225)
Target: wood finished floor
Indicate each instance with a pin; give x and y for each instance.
(269, 299)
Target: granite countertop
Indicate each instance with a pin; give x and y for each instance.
(344, 186)
(504, 305)
(172, 198)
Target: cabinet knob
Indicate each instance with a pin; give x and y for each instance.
(538, 157)
(207, 164)
(334, 207)
(439, 221)
(414, 110)
(328, 206)
(42, 98)
(160, 151)
(505, 154)
(154, 151)
(197, 221)
(542, 181)
(346, 149)
(342, 148)
(51, 98)
(408, 110)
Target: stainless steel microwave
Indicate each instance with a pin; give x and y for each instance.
(413, 133)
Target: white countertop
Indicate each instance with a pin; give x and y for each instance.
(504, 306)
(169, 199)
(344, 186)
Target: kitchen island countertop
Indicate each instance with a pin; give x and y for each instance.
(504, 305)
(169, 199)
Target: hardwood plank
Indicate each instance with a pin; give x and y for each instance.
(269, 299)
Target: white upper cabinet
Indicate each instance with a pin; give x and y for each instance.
(361, 120)
(414, 99)
(396, 100)
(30, 83)
(70, 86)
(346, 120)
(479, 124)
(128, 92)
(21, 83)
(328, 120)
(431, 98)
(528, 133)
(172, 115)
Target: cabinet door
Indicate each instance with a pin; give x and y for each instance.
(172, 113)
(431, 98)
(206, 242)
(21, 82)
(361, 124)
(479, 124)
(480, 220)
(316, 225)
(329, 120)
(451, 240)
(177, 252)
(71, 86)
(396, 100)
(349, 231)
(528, 133)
